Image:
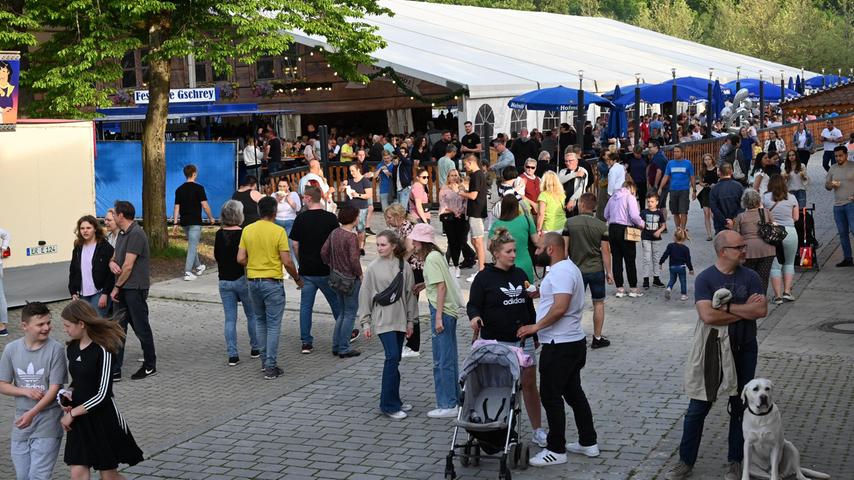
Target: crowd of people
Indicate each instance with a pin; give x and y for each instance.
(550, 233)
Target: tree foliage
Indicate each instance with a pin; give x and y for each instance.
(813, 34)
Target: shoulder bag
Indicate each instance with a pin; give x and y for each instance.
(393, 292)
(769, 232)
(338, 280)
(633, 234)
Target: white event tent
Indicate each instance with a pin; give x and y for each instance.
(497, 54)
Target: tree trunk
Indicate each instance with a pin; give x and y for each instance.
(154, 141)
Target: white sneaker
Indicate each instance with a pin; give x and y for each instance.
(189, 277)
(443, 413)
(200, 270)
(456, 272)
(591, 451)
(635, 294)
(397, 415)
(409, 353)
(406, 407)
(546, 458)
(471, 277)
(620, 294)
(539, 437)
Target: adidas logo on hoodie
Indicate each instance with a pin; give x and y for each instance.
(514, 294)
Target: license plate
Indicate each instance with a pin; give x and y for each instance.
(42, 250)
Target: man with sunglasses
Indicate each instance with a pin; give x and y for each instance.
(724, 351)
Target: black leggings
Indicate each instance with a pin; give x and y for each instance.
(414, 340)
(456, 228)
(623, 250)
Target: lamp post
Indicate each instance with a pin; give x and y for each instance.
(709, 112)
(637, 108)
(823, 79)
(782, 94)
(803, 82)
(761, 101)
(674, 137)
(579, 132)
(839, 76)
(737, 78)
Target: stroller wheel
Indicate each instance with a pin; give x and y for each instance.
(505, 474)
(526, 457)
(513, 456)
(465, 458)
(476, 456)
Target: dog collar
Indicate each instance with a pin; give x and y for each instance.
(760, 414)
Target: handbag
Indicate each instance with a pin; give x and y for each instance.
(632, 234)
(338, 280)
(769, 232)
(393, 292)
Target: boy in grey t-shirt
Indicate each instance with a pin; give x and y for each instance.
(33, 369)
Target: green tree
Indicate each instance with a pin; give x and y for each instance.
(670, 17)
(90, 37)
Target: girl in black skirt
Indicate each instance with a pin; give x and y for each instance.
(98, 436)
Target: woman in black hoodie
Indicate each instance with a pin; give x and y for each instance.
(89, 276)
(498, 305)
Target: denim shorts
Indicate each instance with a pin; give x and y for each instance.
(596, 282)
(363, 217)
(528, 348)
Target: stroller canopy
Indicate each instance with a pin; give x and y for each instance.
(492, 354)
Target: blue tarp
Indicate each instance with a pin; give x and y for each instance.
(118, 172)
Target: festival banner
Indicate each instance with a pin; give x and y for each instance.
(10, 74)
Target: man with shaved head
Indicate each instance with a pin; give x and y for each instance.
(563, 355)
(729, 299)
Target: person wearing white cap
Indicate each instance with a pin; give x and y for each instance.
(445, 306)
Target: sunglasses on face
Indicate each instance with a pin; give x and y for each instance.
(530, 168)
(738, 247)
(423, 177)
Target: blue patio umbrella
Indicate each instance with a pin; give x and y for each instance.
(771, 91)
(662, 92)
(555, 99)
(618, 122)
(792, 84)
(627, 88)
(717, 100)
(824, 80)
(799, 85)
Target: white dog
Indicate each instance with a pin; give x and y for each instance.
(767, 454)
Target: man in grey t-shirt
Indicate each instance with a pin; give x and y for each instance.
(130, 265)
(33, 369)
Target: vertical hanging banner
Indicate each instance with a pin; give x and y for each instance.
(10, 74)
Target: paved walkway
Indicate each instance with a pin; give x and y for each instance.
(199, 419)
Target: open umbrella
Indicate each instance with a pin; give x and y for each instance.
(627, 88)
(824, 80)
(662, 93)
(717, 100)
(771, 91)
(555, 99)
(792, 84)
(799, 85)
(618, 121)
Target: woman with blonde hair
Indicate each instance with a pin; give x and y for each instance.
(98, 436)
(783, 209)
(396, 219)
(89, 275)
(112, 227)
(550, 204)
(391, 322)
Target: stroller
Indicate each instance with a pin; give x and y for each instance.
(807, 257)
(490, 381)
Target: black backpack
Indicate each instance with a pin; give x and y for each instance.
(393, 292)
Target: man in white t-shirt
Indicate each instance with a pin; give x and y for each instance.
(315, 177)
(563, 354)
(616, 173)
(831, 137)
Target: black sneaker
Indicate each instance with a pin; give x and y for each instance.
(656, 282)
(351, 353)
(117, 377)
(144, 372)
(255, 353)
(467, 264)
(646, 283)
(354, 335)
(271, 373)
(306, 348)
(600, 342)
(232, 361)
(846, 263)
(368, 231)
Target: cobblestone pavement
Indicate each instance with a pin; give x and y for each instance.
(199, 419)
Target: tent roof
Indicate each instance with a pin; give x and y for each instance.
(499, 53)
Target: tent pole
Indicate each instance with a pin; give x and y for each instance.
(709, 112)
(579, 133)
(637, 109)
(674, 135)
(761, 101)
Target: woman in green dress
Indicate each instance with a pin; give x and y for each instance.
(521, 227)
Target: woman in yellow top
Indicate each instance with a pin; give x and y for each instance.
(551, 216)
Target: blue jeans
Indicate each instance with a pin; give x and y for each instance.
(306, 305)
(194, 235)
(232, 291)
(680, 272)
(390, 394)
(93, 300)
(345, 319)
(445, 366)
(744, 356)
(403, 197)
(844, 217)
(800, 196)
(268, 301)
(288, 225)
(35, 458)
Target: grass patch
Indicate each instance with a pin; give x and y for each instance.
(171, 252)
(169, 262)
